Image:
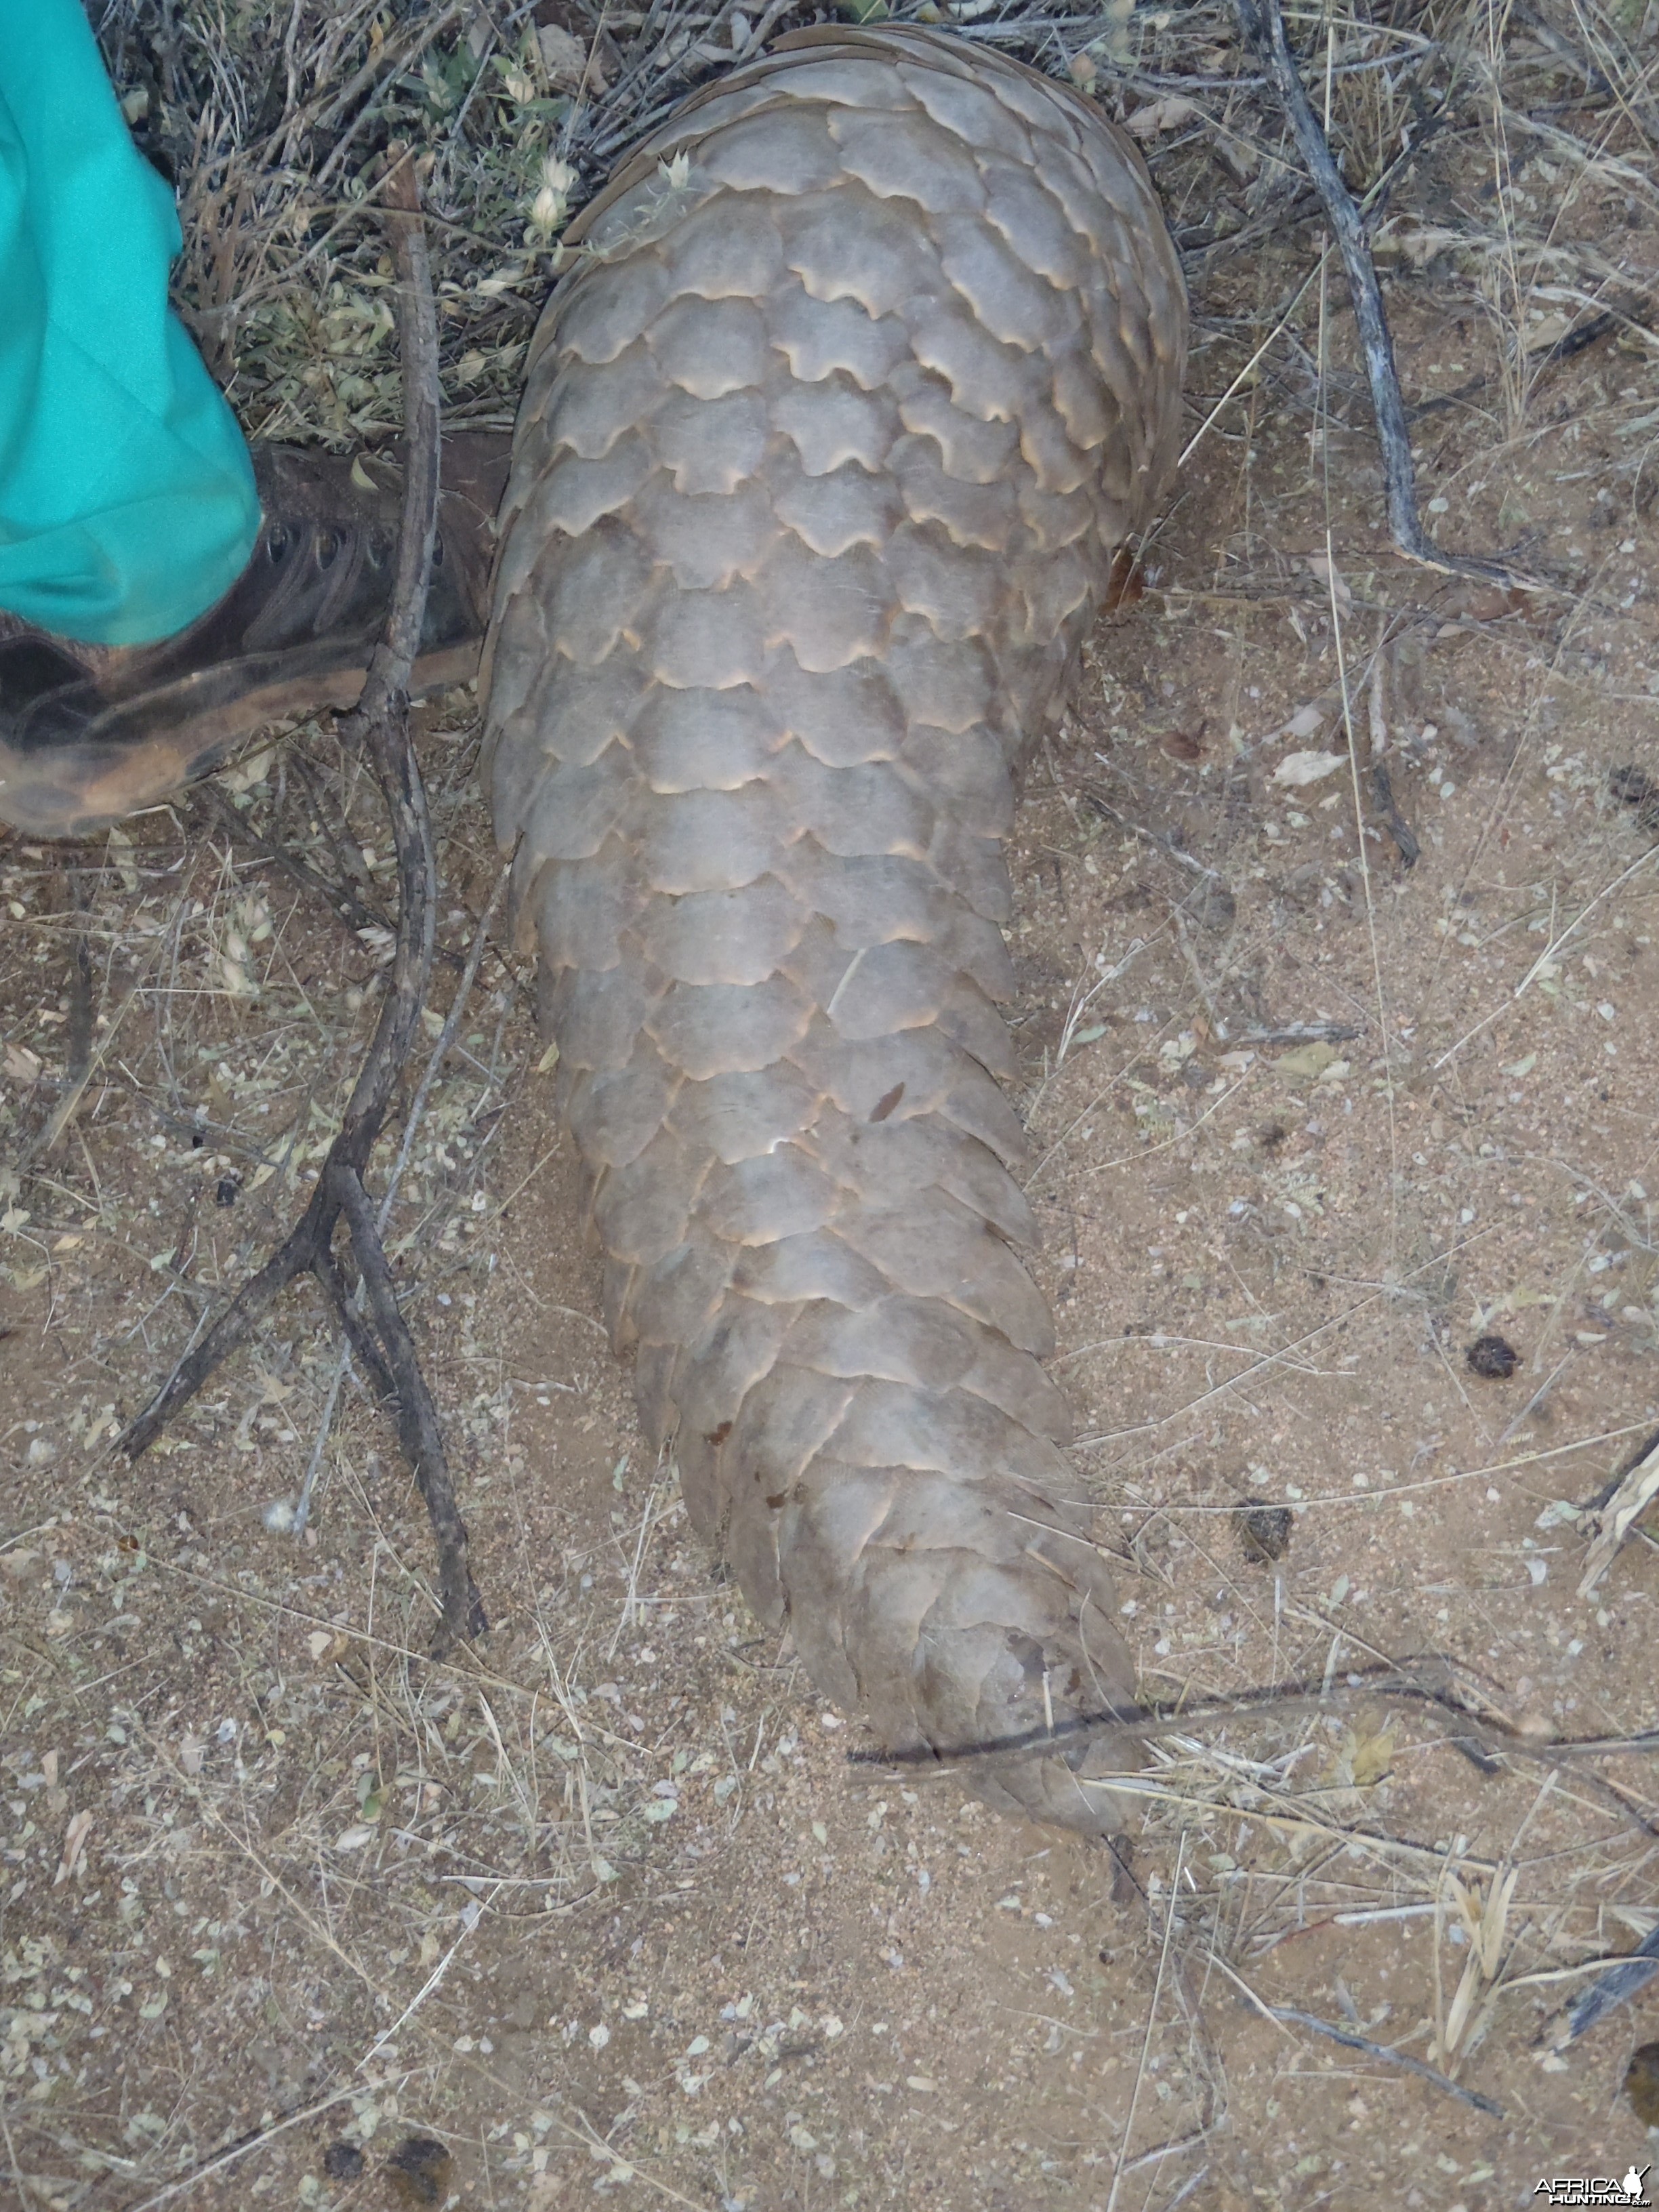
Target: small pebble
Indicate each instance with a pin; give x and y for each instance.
(342, 2162)
(1264, 1531)
(1494, 1356)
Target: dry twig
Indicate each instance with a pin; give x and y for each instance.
(380, 1341)
(344, 902)
(1481, 1732)
(1263, 28)
(1350, 2041)
(1617, 1515)
(1617, 1986)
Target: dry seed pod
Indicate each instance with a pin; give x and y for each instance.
(861, 370)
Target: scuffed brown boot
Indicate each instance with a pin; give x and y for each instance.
(88, 734)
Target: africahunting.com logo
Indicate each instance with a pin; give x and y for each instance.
(1596, 2189)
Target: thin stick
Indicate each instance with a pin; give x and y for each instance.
(1618, 1983)
(1544, 957)
(238, 2151)
(419, 1430)
(1365, 860)
(1424, 2072)
(381, 724)
(446, 1038)
(470, 1920)
(314, 1465)
(1263, 29)
(344, 901)
(1173, 1897)
(1208, 423)
(1428, 1679)
(350, 1307)
(64, 1112)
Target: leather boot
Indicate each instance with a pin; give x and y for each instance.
(90, 734)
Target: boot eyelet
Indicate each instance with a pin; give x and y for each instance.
(328, 548)
(277, 542)
(437, 552)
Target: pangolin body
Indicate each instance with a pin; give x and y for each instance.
(861, 370)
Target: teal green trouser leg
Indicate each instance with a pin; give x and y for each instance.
(127, 504)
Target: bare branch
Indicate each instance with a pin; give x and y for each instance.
(380, 1341)
(1263, 28)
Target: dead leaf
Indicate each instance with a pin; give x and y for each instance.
(1296, 769)
(1414, 242)
(1307, 1061)
(256, 767)
(1181, 746)
(1363, 1758)
(1373, 1757)
(1333, 580)
(21, 1064)
(1125, 584)
(239, 979)
(75, 1846)
(1548, 330)
(567, 61)
(1492, 605)
(1306, 723)
(1166, 114)
(120, 854)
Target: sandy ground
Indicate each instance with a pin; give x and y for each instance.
(611, 1907)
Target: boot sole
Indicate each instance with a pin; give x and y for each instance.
(72, 789)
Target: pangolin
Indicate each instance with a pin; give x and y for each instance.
(857, 373)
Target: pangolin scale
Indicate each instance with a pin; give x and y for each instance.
(859, 371)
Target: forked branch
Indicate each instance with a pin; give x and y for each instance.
(378, 1334)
